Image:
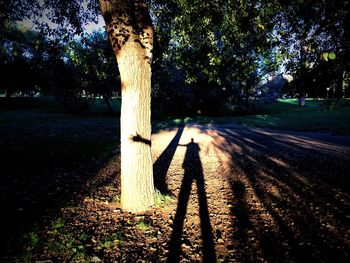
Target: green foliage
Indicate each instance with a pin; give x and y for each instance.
(161, 199)
(331, 55)
(143, 226)
(216, 48)
(33, 242)
(116, 199)
(57, 225)
(209, 56)
(83, 237)
(325, 56)
(115, 239)
(63, 242)
(87, 64)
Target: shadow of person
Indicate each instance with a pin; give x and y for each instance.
(192, 172)
(162, 164)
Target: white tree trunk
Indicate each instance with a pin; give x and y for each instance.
(131, 35)
(135, 123)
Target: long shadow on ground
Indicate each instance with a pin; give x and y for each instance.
(291, 196)
(161, 165)
(193, 173)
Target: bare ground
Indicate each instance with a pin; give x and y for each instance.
(239, 194)
(269, 195)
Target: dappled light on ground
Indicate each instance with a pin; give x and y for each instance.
(226, 193)
(287, 194)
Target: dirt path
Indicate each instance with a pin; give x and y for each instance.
(255, 195)
(201, 225)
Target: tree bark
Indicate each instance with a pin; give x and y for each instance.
(131, 34)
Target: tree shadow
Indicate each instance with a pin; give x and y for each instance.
(162, 164)
(193, 172)
(291, 200)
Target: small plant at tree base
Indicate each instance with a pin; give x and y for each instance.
(143, 226)
(116, 199)
(161, 199)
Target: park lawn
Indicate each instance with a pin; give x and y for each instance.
(52, 105)
(315, 116)
(285, 114)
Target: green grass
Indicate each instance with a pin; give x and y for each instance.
(317, 115)
(143, 226)
(50, 104)
(100, 105)
(161, 199)
(41, 157)
(34, 103)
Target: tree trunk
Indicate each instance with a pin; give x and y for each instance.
(131, 34)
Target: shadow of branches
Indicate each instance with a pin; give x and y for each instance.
(291, 198)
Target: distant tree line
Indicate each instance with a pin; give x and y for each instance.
(210, 57)
(74, 72)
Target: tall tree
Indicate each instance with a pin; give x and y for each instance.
(130, 31)
(131, 34)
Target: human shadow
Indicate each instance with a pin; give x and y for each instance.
(161, 166)
(193, 172)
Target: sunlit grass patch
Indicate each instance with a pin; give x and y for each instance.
(143, 226)
(316, 115)
(116, 198)
(161, 199)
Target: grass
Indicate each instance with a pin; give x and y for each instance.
(143, 226)
(161, 199)
(36, 103)
(65, 242)
(47, 156)
(317, 116)
(50, 104)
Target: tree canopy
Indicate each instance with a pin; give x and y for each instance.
(215, 53)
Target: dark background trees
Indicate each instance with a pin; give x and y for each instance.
(209, 57)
